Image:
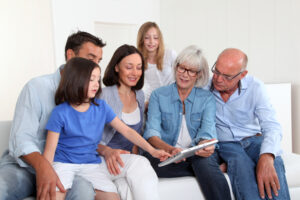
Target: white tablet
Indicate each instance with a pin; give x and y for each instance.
(186, 153)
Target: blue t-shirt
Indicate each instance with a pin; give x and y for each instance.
(80, 132)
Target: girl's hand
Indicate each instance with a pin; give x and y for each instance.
(160, 154)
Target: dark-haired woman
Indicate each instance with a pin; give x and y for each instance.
(75, 129)
(124, 78)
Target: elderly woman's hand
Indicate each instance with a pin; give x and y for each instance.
(176, 150)
(207, 151)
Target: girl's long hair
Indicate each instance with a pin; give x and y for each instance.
(161, 47)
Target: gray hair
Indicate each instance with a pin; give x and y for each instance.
(193, 56)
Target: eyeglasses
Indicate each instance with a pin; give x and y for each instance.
(226, 77)
(190, 72)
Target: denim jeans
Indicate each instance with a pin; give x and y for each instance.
(17, 183)
(241, 158)
(212, 181)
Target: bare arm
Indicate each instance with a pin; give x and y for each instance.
(51, 144)
(138, 140)
(158, 143)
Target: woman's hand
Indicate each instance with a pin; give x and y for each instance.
(207, 151)
(176, 150)
(113, 159)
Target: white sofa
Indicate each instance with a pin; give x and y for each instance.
(187, 187)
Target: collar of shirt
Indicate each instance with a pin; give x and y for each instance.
(175, 95)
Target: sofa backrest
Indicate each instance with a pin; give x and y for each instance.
(4, 135)
(280, 96)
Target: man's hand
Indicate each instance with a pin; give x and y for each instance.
(113, 159)
(207, 151)
(266, 176)
(46, 178)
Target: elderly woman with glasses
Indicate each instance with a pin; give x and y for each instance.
(182, 115)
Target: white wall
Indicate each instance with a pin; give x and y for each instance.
(33, 34)
(268, 31)
(26, 47)
(72, 15)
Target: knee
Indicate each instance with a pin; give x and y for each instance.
(81, 189)
(279, 165)
(141, 166)
(241, 161)
(140, 161)
(240, 165)
(87, 193)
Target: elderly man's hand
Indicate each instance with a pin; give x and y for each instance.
(266, 176)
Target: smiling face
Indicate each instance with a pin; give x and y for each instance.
(130, 70)
(151, 40)
(184, 80)
(94, 83)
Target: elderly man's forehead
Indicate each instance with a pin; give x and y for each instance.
(232, 54)
(231, 58)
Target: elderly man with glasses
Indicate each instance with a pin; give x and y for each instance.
(182, 115)
(248, 131)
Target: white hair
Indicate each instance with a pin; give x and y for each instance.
(193, 56)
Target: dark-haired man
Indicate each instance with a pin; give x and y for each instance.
(248, 131)
(23, 170)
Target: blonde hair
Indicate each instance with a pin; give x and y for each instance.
(161, 47)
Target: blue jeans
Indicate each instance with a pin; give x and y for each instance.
(212, 181)
(241, 158)
(18, 183)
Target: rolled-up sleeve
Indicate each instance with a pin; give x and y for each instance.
(23, 136)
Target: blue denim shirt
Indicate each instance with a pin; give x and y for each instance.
(165, 115)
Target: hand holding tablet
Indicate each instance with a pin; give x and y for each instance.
(186, 153)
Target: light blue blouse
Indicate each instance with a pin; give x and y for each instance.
(165, 115)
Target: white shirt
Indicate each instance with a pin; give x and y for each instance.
(184, 139)
(155, 78)
(131, 118)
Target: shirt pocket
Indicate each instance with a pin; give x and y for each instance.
(196, 120)
(166, 120)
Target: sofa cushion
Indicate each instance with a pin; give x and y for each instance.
(292, 169)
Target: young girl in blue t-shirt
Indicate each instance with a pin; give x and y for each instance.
(76, 124)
